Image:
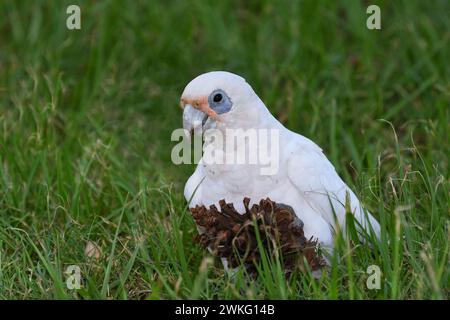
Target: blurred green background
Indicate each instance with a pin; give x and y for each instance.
(86, 117)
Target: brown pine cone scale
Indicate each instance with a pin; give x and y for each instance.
(232, 235)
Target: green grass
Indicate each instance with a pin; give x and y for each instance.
(86, 117)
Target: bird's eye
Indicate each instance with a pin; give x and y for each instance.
(219, 101)
(218, 97)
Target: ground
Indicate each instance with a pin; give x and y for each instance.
(86, 116)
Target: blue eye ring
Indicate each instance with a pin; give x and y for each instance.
(219, 101)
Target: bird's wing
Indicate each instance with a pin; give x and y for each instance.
(319, 184)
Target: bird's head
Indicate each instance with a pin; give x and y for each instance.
(216, 97)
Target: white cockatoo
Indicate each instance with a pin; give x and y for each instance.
(303, 177)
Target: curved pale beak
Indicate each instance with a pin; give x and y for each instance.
(196, 113)
(193, 120)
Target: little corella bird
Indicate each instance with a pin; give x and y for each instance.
(297, 173)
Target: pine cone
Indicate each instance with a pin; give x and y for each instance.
(233, 236)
